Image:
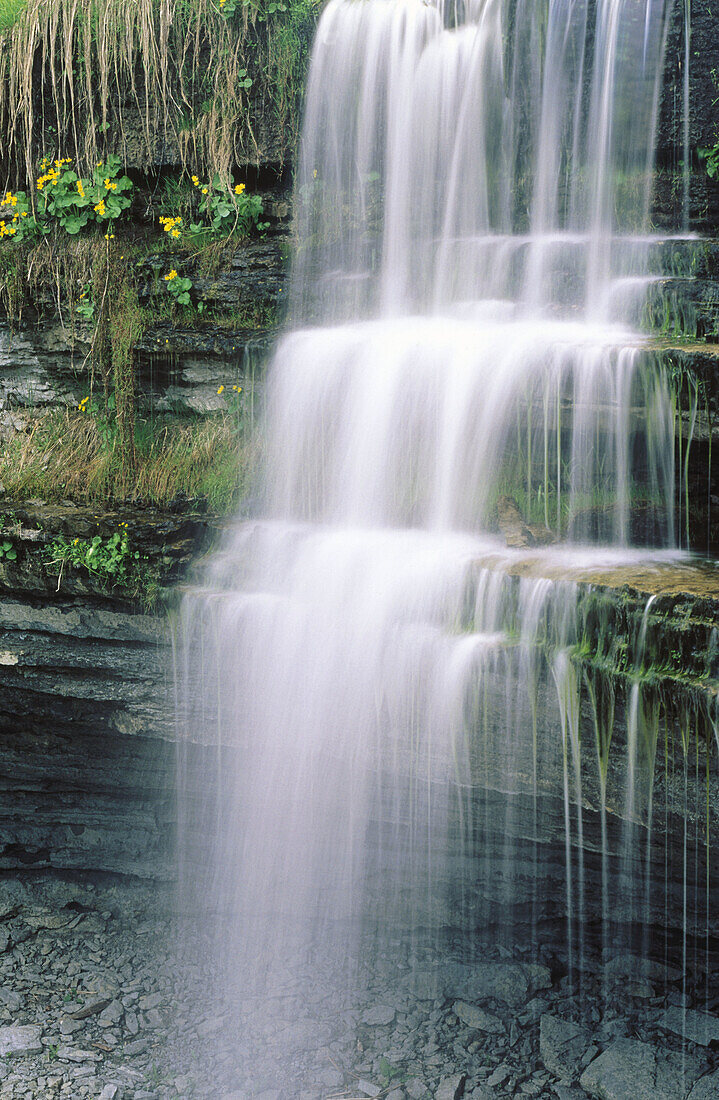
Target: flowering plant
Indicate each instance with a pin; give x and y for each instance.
(179, 287)
(226, 208)
(75, 201)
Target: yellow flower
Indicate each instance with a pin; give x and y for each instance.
(175, 233)
(100, 207)
(170, 276)
(220, 389)
(196, 181)
(109, 236)
(204, 190)
(239, 188)
(80, 189)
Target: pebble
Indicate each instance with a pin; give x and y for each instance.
(368, 1089)
(417, 1031)
(20, 1040)
(110, 1092)
(379, 1015)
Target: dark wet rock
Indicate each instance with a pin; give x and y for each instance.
(633, 1069)
(509, 982)
(562, 1046)
(633, 966)
(698, 1027)
(706, 1088)
(499, 1077)
(92, 1007)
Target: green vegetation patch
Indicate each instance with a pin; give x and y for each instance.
(10, 12)
(199, 79)
(72, 455)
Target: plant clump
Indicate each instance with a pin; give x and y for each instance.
(167, 80)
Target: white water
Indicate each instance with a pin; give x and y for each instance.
(382, 682)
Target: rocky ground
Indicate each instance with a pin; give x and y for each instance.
(98, 999)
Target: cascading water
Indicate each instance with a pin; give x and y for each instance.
(380, 701)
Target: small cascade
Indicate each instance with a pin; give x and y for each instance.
(397, 725)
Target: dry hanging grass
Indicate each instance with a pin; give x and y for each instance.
(152, 80)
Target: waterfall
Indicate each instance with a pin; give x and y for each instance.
(379, 700)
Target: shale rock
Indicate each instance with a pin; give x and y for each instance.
(698, 1027)
(20, 1040)
(562, 1045)
(706, 1088)
(632, 1069)
(476, 1018)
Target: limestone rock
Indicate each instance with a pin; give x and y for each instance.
(634, 966)
(697, 1027)
(20, 1039)
(477, 1018)
(378, 1015)
(110, 1092)
(451, 1088)
(367, 1088)
(562, 1045)
(706, 1088)
(632, 1070)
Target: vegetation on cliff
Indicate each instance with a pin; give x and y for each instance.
(128, 132)
(155, 81)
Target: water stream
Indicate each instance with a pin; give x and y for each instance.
(387, 730)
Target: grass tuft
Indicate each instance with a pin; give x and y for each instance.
(10, 11)
(66, 456)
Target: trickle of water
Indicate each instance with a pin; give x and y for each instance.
(381, 704)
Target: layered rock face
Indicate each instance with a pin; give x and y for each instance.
(86, 716)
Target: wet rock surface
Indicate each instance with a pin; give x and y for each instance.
(103, 994)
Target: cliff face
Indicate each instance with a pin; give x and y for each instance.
(86, 719)
(86, 726)
(702, 123)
